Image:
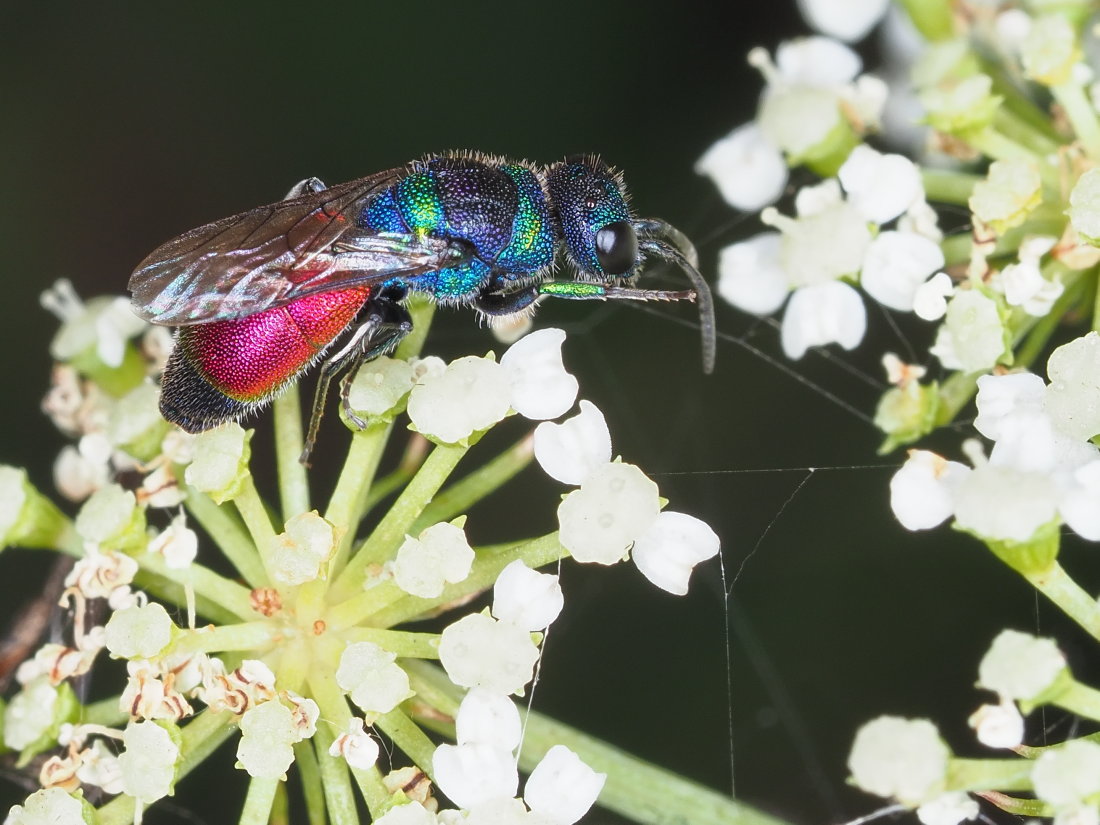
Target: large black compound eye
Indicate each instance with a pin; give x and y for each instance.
(617, 248)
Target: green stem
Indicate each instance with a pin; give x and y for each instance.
(383, 541)
(1081, 114)
(981, 774)
(256, 519)
(999, 147)
(486, 567)
(1016, 128)
(207, 584)
(1070, 597)
(229, 534)
(409, 738)
(1079, 699)
(201, 736)
(946, 186)
(293, 480)
(339, 799)
(462, 495)
(934, 19)
(364, 605)
(1013, 805)
(245, 636)
(404, 643)
(638, 790)
(309, 772)
(348, 502)
(415, 451)
(171, 591)
(258, 803)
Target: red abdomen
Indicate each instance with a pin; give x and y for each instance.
(251, 357)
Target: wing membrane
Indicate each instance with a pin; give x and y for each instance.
(272, 255)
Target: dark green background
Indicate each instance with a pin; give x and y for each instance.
(123, 125)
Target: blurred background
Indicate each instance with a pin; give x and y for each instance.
(125, 128)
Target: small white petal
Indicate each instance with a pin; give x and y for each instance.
(825, 313)
(751, 276)
(1002, 503)
(1020, 666)
(372, 678)
(613, 507)
(972, 336)
(848, 20)
(541, 388)
(816, 61)
(998, 726)
(473, 774)
(359, 748)
(472, 394)
(930, 298)
(48, 806)
(139, 632)
(526, 598)
(479, 651)
(569, 451)
(298, 554)
(669, 550)
(896, 265)
(948, 809)
(411, 813)
(747, 167)
(1080, 505)
(1073, 397)
(148, 762)
(488, 718)
(562, 787)
(268, 733)
(1069, 774)
(900, 758)
(921, 491)
(30, 713)
(440, 554)
(881, 187)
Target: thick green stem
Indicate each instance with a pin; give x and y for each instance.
(946, 186)
(401, 642)
(258, 636)
(256, 519)
(346, 507)
(309, 772)
(229, 534)
(1013, 805)
(460, 496)
(1074, 601)
(207, 584)
(293, 480)
(1081, 114)
(384, 540)
(638, 790)
(259, 801)
(934, 19)
(409, 738)
(1079, 699)
(981, 774)
(339, 799)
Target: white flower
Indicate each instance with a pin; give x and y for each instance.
(371, 677)
(1006, 197)
(900, 758)
(526, 598)
(49, 806)
(440, 554)
(541, 388)
(107, 514)
(30, 713)
(823, 314)
(104, 324)
(614, 506)
(139, 632)
(479, 651)
(1069, 774)
(561, 787)
(1049, 51)
(848, 20)
(816, 61)
(358, 748)
(972, 338)
(220, 461)
(1023, 283)
(1001, 398)
(881, 187)
(470, 395)
(896, 265)
(1002, 503)
(178, 543)
(747, 167)
(751, 274)
(921, 492)
(1084, 206)
(148, 763)
(569, 451)
(411, 813)
(930, 298)
(473, 774)
(669, 550)
(948, 809)
(298, 554)
(1020, 666)
(488, 718)
(998, 726)
(380, 386)
(1080, 505)
(268, 735)
(1073, 397)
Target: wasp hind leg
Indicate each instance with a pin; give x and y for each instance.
(309, 186)
(387, 322)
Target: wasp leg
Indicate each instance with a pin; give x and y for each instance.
(493, 300)
(387, 322)
(309, 186)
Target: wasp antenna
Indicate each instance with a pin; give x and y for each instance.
(670, 244)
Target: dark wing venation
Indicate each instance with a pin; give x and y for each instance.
(272, 255)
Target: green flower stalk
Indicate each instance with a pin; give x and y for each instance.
(300, 657)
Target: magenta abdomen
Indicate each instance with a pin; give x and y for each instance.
(249, 358)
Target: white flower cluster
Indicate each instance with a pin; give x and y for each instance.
(1042, 469)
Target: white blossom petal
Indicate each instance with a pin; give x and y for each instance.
(569, 451)
(901, 758)
(751, 276)
(669, 550)
(488, 718)
(562, 787)
(823, 314)
(473, 774)
(747, 167)
(526, 598)
(148, 762)
(613, 507)
(479, 651)
(921, 491)
(470, 395)
(881, 187)
(541, 388)
(930, 298)
(848, 20)
(896, 265)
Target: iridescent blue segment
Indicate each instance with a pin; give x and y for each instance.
(500, 209)
(589, 196)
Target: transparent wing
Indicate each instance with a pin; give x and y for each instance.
(272, 255)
